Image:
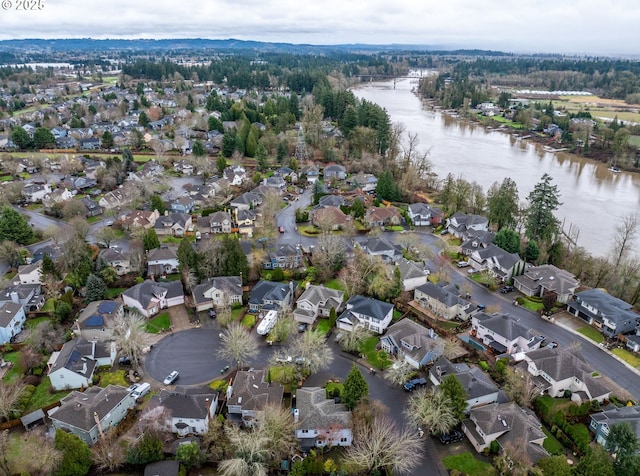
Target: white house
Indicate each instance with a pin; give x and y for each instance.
(118, 259)
(30, 273)
(372, 314)
(412, 274)
(218, 291)
(12, 319)
(317, 301)
(162, 261)
(35, 192)
(442, 299)
(321, 421)
(460, 223)
(504, 333)
(250, 393)
(149, 297)
(91, 413)
(74, 364)
(415, 344)
(185, 412)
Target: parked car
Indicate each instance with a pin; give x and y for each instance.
(481, 307)
(141, 390)
(212, 313)
(281, 229)
(284, 359)
(507, 289)
(462, 264)
(124, 360)
(172, 377)
(303, 327)
(552, 345)
(472, 271)
(444, 232)
(411, 385)
(451, 437)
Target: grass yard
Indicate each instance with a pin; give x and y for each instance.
(592, 333)
(324, 326)
(112, 377)
(249, 320)
(219, 385)
(158, 324)
(335, 284)
(15, 371)
(332, 387)
(551, 443)
(49, 305)
(42, 397)
(376, 358)
(113, 293)
(237, 314)
(467, 464)
(549, 405)
(530, 305)
(627, 356)
(634, 141)
(33, 323)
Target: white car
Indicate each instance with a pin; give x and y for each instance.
(172, 377)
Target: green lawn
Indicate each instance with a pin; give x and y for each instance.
(236, 314)
(551, 443)
(15, 371)
(634, 141)
(592, 333)
(335, 284)
(375, 358)
(159, 323)
(249, 320)
(42, 397)
(113, 293)
(219, 385)
(467, 464)
(112, 377)
(323, 326)
(33, 323)
(627, 356)
(332, 386)
(531, 305)
(49, 305)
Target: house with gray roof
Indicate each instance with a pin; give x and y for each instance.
(478, 387)
(611, 315)
(602, 422)
(162, 261)
(269, 295)
(118, 259)
(317, 301)
(509, 425)
(95, 321)
(149, 297)
(217, 222)
(173, 224)
(415, 344)
(372, 314)
(459, 224)
(329, 217)
(380, 246)
(93, 209)
(476, 239)
(91, 413)
(168, 467)
(422, 214)
(246, 201)
(443, 299)
(504, 333)
(500, 263)
(184, 411)
(366, 182)
(412, 274)
(250, 393)
(73, 365)
(321, 421)
(217, 292)
(560, 370)
(12, 319)
(29, 273)
(537, 280)
(29, 296)
(334, 172)
(183, 204)
(332, 200)
(285, 256)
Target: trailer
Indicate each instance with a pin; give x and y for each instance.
(267, 323)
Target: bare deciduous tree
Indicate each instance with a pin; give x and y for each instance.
(519, 387)
(130, 336)
(284, 326)
(106, 236)
(352, 341)
(108, 454)
(276, 425)
(625, 236)
(399, 372)
(10, 394)
(43, 458)
(237, 344)
(250, 456)
(431, 409)
(313, 350)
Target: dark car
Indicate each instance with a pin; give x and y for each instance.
(302, 327)
(451, 437)
(411, 385)
(507, 289)
(481, 307)
(124, 360)
(212, 313)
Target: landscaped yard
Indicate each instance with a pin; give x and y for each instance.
(33, 323)
(377, 359)
(324, 326)
(529, 304)
(158, 324)
(113, 293)
(249, 320)
(112, 377)
(15, 371)
(335, 284)
(551, 443)
(467, 464)
(627, 356)
(49, 305)
(236, 314)
(42, 397)
(592, 333)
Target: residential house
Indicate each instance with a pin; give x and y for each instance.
(460, 223)
(246, 201)
(611, 315)
(443, 299)
(285, 256)
(537, 280)
(162, 261)
(504, 333)
(334, 172)
(12, 319)
(29, 296)
(321, 421)
(183, 204)
(95, 321)
(29, 273)
(173, 224)
(561, 371)
(500, 263)
(35, 192)
(59, 195)
(317, 301)
(235, 174)
(479, 388)
(219, 222)
(149, 297)
(217, 292)
(67, 142)
(380, 246)
(633, 342)
(245, 221)
(415, 344)
(184, 411)
(329, 218)
(74, 364)
(509, 425)
(602, 422)
(311, 172)
(90, 143)
(114, 199)
(93, 209)
(331, 200)
(275, 182)
(91, 413)
(366, 182)
(271, 295)
(184, 167)
(118, 259)
(422, 214)
(383, 216)
(372, 314)
(139, 218)
(412, 274)
(250, 393)
(167, 467)
(476, 240)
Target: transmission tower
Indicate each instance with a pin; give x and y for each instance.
(301, 146)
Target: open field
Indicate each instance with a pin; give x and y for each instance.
(599, 107)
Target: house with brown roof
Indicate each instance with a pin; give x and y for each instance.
(383, 216)
(250, 393)
(329, 217)
(142, 218)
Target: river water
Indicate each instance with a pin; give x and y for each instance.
(593, 198)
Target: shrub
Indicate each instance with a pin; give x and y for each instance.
(483, 365)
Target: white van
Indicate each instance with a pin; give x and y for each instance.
(141, 390)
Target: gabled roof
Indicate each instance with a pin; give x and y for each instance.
(98, 313)
(252, 392)
(474, 381)
(110, 255)
(147, 290)
(615, 415)
(380, 245)
(269, 291)
(492, 252)
(316, 411)
(503, 325)
(446, 293)
(8, 311)
(193, 403)
(163, 253)
(369, 307)
(72, 359)
(319, 295)
(607, 306)
(420, 339)
(230, 285)
(78, 409)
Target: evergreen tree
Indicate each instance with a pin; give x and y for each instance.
(14, 227)
(508, 240)
(623, 441)
(107, 140)
(158, 204)
(49, 266)
(143, 119)
(96, 289)
(128, 165)
(229, 143)
(187, 257)
(456, 395)
(357, 209)
(215, 124)
(21, 138)
(147, 449)
(531, 252)
(355, 388)
(221, 164)
(76, 454)
(387, 188)
(251, 145)
(541, 223)
(198, 149)
(43, 138)
(262, 160)
(150, 240)
(236, 262)
(282, 151)
(502, 203)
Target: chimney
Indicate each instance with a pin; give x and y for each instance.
(296, 415)
(14, 297)
(97, 419)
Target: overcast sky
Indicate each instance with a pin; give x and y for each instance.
(550, 26)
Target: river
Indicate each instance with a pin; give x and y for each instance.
(593, 198)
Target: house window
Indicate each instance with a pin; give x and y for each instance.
(305, 431)
(343, 440)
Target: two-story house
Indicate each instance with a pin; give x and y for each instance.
(269, 295)
(285, 256)
(219, 222)
(415, 344)
(29, 296)
(334, 172)
(250, 394)
(372, 314)
(422, 214)
(149, 297)
(602, 422)
(74, 364)
(380, 246)
(12, 319)
(412, 274)
(317, 301)
(29, 273)
(504, 333)
(118, 259)
(538, 280)
(162, 261)
(184, 411)
(460, 223)
(443, 299)
(95, 321)
(173, 224)
(321, 421)
(217, 292)
(611, 315)
(500, 263)
(35, 192)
